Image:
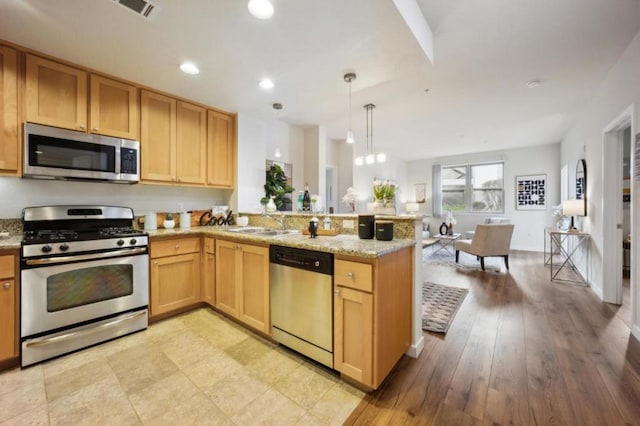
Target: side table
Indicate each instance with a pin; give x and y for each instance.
(565, 245)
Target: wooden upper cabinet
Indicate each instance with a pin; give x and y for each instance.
(9, 142)
(191, 145)
(114, 108)
(221, 150)
(157, 137)
(56, 94)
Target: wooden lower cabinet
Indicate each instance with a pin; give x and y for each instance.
(372, 315)
(209, 272)
(9, 142)
(175, 274)
(8, 310)
(242, 283)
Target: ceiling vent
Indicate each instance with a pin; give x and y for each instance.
(144, 8)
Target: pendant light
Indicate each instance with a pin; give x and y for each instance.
(371, 157)
(349, 77)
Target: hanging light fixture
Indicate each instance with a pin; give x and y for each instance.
(371, 157)
(349, 77)
(277, 107)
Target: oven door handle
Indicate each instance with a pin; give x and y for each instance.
(94, 256)
(73, 335)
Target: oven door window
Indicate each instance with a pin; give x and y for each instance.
(74, 155)
(80, 287)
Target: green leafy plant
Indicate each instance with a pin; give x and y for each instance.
(384, 191)
(276, 186)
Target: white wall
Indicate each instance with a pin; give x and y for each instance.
(17, 193)
(393, 170)
(252, 146)
(529, 227)
(619, 90)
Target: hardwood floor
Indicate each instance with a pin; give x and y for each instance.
(521, 350)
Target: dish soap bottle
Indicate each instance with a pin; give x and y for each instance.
(306, 198)
(300, 198)
(326, 223)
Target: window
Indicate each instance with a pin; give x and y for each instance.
(473, 188)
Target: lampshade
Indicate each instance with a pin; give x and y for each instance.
(573, 207)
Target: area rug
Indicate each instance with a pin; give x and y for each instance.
(439, 305)
(466, 261)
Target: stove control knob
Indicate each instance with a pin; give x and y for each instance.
(46, 249)
(120, 242)
(133, 241)
(64, 247)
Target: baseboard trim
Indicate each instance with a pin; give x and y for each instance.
(415, 349)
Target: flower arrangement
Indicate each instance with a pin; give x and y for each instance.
(449, 219)
(350, 199)
(384, 191)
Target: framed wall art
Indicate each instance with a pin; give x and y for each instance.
(531, 192)
(421, 189)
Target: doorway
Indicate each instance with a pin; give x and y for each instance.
(330, 191)
(614, 153)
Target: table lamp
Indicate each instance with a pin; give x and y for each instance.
(573, 208)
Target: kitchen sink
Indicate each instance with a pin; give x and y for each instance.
(248, 230)
(275, 232)
(267, 232)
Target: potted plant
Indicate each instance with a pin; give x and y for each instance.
(276, 187)
(383, 195)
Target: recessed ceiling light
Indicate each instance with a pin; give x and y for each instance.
(265, 83)
(533, 83)
(261, 9)
(189, 68)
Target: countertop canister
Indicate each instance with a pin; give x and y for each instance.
(150, 222)
(185, 220)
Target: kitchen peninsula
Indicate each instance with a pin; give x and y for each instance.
(229, 271)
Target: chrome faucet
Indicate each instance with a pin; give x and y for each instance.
(279, 220)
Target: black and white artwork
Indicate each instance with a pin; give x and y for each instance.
(531, 192)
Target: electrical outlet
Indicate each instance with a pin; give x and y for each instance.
(348, 224)
(179, 207)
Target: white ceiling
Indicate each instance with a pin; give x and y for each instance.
(484, 53)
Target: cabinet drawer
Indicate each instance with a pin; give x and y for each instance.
(172, 247)
(209, 245)
(7, 266)
(355, 275)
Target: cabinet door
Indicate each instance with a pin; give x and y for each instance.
(209, 279)
(226, 277)
(221, 150)
(157, 137)
(191, 144)
(9, 143)
(56, 95)
(7, 308)
(254, 287)
(353, 334)
(175, 282)
(114, 108)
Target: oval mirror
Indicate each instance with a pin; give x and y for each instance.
(581, 182)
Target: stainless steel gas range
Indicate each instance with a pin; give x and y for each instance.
(84, 278)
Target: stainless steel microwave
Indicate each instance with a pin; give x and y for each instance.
(53, 153)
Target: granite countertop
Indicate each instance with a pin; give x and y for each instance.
(349, 245)
(11, 242)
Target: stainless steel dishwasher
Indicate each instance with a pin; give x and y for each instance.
(302, 301)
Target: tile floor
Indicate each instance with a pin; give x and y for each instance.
(197, 368)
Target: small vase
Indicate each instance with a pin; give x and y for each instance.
(169, 223)
(271, 206)
(450, 229)
(563, 223)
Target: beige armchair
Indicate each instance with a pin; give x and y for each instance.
(488, 241)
